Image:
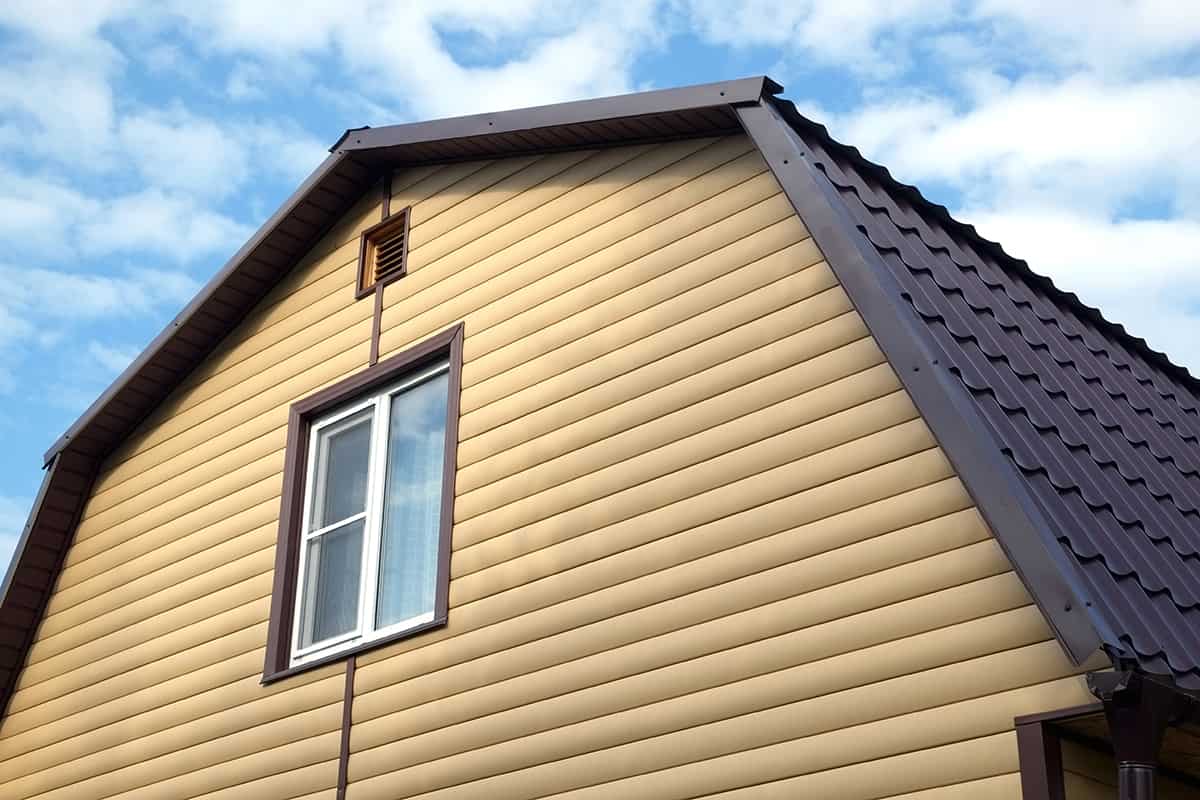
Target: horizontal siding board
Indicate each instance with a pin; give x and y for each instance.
(709, 759)
(543, 580)
(275, 749)
(507, 650)
(845, 652)
(143, 580)
(707, 248)
(877, 778)
(827, 416)
(78, 759)
(510, 396)
(780, 707)
(589, 218)
(854, 368)
(191, 624)
(599, 331)
(855, 455)
(751, 336)
(999, 787)
(107, 568)
(63, 637)
(142, 710)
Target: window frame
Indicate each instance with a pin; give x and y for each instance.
(306, 418)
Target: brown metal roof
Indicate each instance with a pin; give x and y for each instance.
(1084, 467)
(1102, 429)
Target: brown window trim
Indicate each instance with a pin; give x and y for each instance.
(366, 286)
(287, 548)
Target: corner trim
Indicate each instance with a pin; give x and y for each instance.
(1039, 757)
(1014, 517)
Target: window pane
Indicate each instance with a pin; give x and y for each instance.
(341, 474)
(412, 503)
(331, 581)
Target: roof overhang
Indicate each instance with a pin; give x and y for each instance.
(359, 160)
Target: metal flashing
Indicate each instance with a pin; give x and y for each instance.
(662, 101)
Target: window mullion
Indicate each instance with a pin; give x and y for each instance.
(377, 483)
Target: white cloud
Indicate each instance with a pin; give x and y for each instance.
(169, 223)
(112, 359)
(177, 150)
(38, 292)
(1053, 169)
(1112, 36)
(558, 50)
(1082, 139)
(34, 316)
(853, 33)
(1141, 273)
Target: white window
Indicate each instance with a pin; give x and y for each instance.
(370, 532)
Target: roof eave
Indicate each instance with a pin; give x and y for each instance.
(289, 205)
(707, 95)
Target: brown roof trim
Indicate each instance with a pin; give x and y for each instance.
(1012, 513)
(207, 296)
(662, 101)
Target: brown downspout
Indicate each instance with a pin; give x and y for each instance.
(1138, 709)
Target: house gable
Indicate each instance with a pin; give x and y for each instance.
(701, 529)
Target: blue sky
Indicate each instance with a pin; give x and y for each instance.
(141, 143)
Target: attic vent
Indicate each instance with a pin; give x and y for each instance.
(383, 253)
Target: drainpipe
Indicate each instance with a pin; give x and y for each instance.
(1139, 709)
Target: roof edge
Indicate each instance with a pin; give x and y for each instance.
(209, 289)
(704, 95)
(49, 469)
(1013, 515)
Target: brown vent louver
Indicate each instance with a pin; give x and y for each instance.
(383, 253)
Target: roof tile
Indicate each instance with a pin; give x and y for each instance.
(1102, 429)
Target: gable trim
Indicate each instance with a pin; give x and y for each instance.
(1012, 513)
(626, 106)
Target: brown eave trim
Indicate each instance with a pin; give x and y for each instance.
(1011, 512)
(721, 93)
(51, 470)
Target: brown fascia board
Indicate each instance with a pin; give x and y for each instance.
(1014, 516)
(9, 575)
(706, 95)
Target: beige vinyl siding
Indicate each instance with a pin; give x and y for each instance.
(703, 542)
